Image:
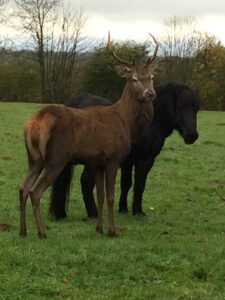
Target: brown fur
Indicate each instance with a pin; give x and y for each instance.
(100, 137)
(36, 133)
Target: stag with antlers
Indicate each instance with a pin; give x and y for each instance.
(100, 137)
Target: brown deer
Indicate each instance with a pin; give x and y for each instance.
(100, 137)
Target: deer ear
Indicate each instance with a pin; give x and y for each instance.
(122, 71)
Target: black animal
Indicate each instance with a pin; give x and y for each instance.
(175, 107)
(87, 100)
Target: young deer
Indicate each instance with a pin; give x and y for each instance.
(100, 137)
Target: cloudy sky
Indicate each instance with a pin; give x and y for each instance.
(133, 19)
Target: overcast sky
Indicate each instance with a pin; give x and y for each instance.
(130, 19)
(133, 19)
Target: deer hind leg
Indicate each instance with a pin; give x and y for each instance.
(46, 178)
(99, 180)
(110, 191)
(33, 173)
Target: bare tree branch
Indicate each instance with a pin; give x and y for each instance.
(56, 33)
(62, 52)
(180, 44)
(35, 17)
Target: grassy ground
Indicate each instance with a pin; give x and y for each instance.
(176, 252)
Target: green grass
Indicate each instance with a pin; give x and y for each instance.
(176, 252)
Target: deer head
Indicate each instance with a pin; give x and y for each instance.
(139, 78)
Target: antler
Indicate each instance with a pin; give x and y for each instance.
(120, 60)
(153, 56)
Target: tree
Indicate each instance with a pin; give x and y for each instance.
(209, 75)
(61, 54)
(55, 46)
(35, 16)
(19, 81)
(178, 47)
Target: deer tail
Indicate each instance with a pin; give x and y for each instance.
(37, 133)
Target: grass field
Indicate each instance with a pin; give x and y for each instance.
(176, 252)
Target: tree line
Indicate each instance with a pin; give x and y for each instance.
(56, 60)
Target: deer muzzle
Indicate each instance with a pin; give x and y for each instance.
(148, 95)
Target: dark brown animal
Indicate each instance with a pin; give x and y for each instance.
(100, 137)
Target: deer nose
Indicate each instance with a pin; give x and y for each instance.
(149, 94)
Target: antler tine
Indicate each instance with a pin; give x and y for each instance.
(120, 60)
(153, 56)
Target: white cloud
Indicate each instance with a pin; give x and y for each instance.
(138, 30)
(214, 24)
(132, 19)
(129, 19)
(128, 9)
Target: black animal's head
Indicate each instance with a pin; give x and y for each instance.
(186, 108)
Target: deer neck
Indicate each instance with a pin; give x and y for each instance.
(136, 114)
